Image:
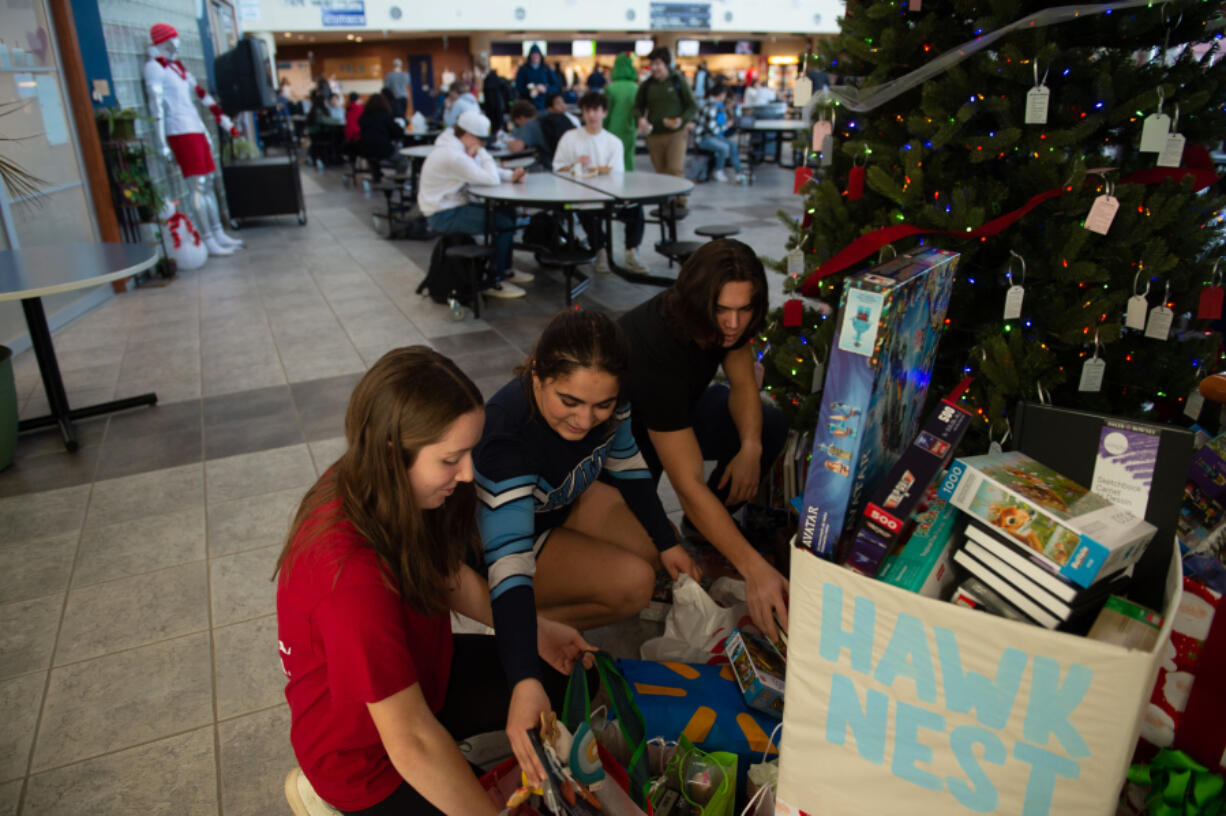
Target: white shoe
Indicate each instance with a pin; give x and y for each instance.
(720, 175)
(602, 262)
(520, 276)
(504, 291)
(215, 248)
(302, 798)
(633, 263)
(226, 241)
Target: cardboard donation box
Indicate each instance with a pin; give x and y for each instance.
(898, 703)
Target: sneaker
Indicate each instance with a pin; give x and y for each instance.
(633, 263)
(302, 798)
(519, 276)
(602, 262)
(504, 291)
(720, 175)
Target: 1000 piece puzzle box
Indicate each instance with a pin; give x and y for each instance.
(877, 377)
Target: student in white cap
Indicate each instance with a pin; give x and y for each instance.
(459, 159)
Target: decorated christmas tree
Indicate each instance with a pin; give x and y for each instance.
(1065, 151)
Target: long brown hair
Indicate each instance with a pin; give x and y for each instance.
(690, 302)
(407, 400)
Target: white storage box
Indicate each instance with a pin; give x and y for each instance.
(897, 703)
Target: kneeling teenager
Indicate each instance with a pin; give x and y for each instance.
(379, 690)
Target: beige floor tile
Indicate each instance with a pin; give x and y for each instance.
(129, 612)
(27, 634)
(174, 775)
(36, 567)
(125, 699)
(325, 452)
(255, 756)
(146, 494)
(19, 701)
(141, 545)
(253, 522)
(249, 675)
(242, 585)
(252, 474)
(10, 793)
(43, 515)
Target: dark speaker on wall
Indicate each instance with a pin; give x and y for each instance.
(244, 77)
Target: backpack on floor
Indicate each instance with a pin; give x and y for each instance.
(697, 166)
(544, 233)
(448, 279)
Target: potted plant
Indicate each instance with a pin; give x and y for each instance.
(119, 124)
(137, 187)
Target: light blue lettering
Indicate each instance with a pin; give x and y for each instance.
(859, 641)
(979, 794)
(1051, 704)
(866, 724)
(1044, 768)
(908, 750)
(907, 654)
(992, 700)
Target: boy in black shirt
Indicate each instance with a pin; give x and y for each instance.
(677, 341)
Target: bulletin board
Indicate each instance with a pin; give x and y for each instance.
(353, 68)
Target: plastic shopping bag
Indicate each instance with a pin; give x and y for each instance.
(761, 782)
(698, 622)
(705, 781)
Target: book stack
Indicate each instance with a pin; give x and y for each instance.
(1046, 546)
(1029, 586)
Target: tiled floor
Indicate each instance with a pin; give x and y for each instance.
(138, 662)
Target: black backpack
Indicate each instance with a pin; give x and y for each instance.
(448, 279)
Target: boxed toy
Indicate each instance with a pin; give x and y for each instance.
(1083, 535)
(759, 671)
(898, 496)
(924, 565)
(877, 377)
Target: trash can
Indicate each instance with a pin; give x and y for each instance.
(8, 408)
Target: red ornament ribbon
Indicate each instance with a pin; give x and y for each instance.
(180, 220)
(1200, 169)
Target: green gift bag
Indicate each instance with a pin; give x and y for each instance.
(706, 780)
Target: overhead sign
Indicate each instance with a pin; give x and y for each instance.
(680, 15)
(343, 12)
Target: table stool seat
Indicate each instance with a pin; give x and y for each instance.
(470, 252)
(569, 259)
(717, 230)
(678, 251)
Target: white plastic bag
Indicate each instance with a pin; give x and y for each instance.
(761, 781)
(698, 623)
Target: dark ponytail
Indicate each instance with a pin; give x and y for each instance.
(577, 339)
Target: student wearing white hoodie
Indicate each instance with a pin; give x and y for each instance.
(459, 159)
(592, 148)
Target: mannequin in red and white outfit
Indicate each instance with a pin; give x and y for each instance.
(180, 133)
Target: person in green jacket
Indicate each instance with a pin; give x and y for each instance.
(620, 91)
(665, 105)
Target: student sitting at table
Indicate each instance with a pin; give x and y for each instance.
(463, 102)
(379, 689)
(712, 132)
(592, 149)
(526, 132)
(459, 158)
(379, 136)
(569, 515)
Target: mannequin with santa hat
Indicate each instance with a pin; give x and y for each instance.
(180, 133)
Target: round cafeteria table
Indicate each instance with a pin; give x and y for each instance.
(29, 274)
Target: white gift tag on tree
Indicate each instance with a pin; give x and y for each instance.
(819, 376)
(1172, 152)
(914, 5)
(801, 91)
(1092, 374)
(827, 150)
(1193, 404)
(1102, 214)
(1013, 302)
(1138, 310)
(1154, 132)
(796, 262)
(1159, 325)
(1037, 101)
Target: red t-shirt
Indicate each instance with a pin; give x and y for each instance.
(346, 640)
(353, 131)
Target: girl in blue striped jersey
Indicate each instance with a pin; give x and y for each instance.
(569, 515)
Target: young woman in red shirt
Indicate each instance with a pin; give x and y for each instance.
(379, 689)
